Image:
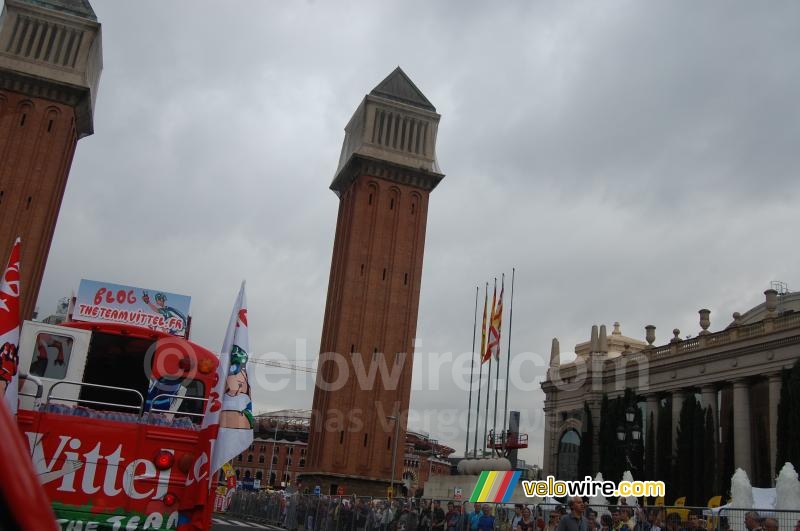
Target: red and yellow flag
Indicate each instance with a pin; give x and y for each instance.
(487, 350)
(493, 348)
(483, 325)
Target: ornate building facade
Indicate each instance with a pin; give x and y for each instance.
(736, 372)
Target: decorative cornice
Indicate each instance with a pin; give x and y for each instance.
(77, 97)
(359, 165)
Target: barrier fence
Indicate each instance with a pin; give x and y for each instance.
(307, 512)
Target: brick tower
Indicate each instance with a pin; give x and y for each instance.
(386, 171)
(50, 62)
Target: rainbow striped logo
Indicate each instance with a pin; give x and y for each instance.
(495, 487)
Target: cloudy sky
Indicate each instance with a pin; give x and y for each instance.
(635, 161)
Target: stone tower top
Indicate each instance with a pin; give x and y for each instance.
(393, 133)
(399, 87)
(78, 8)
(53, 49)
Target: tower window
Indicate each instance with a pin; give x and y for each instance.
(22, 119)
(391, 204)
(405, 279)
(413, 207)
(370, 199)
(382, 118)
(341, 437)
(1, 196)
(352, 348)
(365, 440)
(50, 126)
(362, 270)
(28, 205)
(384, 273)
(389, 442)
(375, 354)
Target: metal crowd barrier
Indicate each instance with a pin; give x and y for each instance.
(734, 519)
(306, 512)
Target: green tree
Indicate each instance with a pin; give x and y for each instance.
(650, 450)
(710, 486)
(606, 437)
(789, 418)
(684, 470)
(664, 457)
(587, 445)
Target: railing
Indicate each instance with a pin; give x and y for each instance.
(309, 512)
(179, 413)
(723, 337)
(134, 392)
(36, 381)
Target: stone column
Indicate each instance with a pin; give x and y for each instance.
(652, 408)
(741, 425)
(677, 404)
(708, 398)
(774, 399)
(548, 449)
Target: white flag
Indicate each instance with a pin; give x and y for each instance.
(230, 406)
(9, 330)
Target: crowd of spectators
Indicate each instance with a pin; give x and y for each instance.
(333, 513)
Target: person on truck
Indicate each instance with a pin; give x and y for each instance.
(9, 361)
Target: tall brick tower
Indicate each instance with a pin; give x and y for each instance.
(50, 63)
(386, 171)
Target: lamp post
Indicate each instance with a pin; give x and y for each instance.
(396, 420)
(630, 436)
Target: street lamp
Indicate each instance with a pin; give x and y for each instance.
(630, 435)
(396, 420)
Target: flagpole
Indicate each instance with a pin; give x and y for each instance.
(508, 360)
(497, 369)
(488, 397)
(489, 375)
(472, 370)
(480, 368)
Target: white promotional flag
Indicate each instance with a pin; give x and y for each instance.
(230, 406)
(9, 330)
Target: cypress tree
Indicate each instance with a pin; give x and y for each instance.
(650, 450)
(697, 488)
(664, 456)
(587, 447)
(789, 418)
(709, 459)
(606, 437)
(685, 473)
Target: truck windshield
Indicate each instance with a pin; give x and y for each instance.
(116, 361)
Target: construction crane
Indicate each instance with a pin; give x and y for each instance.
(284, 365)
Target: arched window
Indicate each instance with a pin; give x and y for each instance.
(568, 449)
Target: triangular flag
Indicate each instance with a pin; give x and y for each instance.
(230, 406)
(9, 330)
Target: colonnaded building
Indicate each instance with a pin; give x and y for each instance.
(736, 372)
